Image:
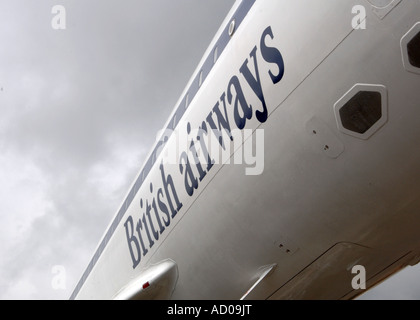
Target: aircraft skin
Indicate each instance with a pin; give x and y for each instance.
(327, 101)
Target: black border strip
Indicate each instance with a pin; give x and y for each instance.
(205, 69)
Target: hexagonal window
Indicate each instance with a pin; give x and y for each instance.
(410, 48)
(362, 110)
(383, 7)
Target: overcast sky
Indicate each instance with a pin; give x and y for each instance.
(80, 109)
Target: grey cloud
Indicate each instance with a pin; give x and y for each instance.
(82, 107)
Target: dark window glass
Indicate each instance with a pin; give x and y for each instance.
(362, 111)
(414, 51)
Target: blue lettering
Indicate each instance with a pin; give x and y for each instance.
(255, 84)
(272, 55)
(132, 240)
(240, 103)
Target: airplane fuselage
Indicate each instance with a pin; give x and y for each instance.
(291, 157)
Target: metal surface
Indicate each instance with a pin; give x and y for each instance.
(309, 198)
